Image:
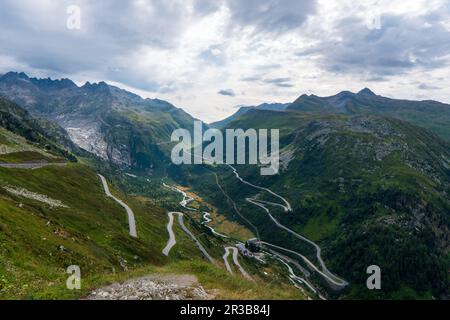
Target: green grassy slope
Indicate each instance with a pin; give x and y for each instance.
(365, 188)
(18, 128)
(136, 130)
(432, 115)
(38, 243)
(93, 230)
(57, 216)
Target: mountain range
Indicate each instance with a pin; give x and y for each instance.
(55, 213)
(366, 177)
(115, 125)
(365, 187)
(429, 114)
(244, 109)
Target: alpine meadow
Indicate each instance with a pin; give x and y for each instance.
(247, 152)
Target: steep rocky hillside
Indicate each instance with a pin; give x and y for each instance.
(116, 125)
(369, 190)
(20, 132)
(244, 109)
(55, 214)
(432, 115)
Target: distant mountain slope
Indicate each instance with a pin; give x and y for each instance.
(428, 114)
(370, 190)
(244, 109)
(58, 216)
(114, 124)
(38, 134)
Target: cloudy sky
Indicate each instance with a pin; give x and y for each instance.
(208, 56)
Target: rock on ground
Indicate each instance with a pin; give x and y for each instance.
(155, 287)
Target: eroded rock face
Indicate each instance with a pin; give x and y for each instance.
(116, 125)
(167, 287)
(89, 138)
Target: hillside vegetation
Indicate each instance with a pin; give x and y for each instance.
(364, 187)
(57, 216)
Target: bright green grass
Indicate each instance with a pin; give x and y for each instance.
(27, 156)
(93, 230)
(320, 227)
(38, 243)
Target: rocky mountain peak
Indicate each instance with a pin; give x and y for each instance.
(96, 87)
(366, 92)
(54, 84)
(14, 76)
(19, 78)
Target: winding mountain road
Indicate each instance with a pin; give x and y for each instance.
(286, 206)
(235, 260)
(296, 280)
(330, 277)
(31, 165)
(207, 219)
(172, 240)
(131, 220)
(235, 207)
(189, 233)
(324, 272)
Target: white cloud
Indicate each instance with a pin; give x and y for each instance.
(186, 51)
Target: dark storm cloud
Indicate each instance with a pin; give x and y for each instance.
(227, 92)
(424, 86)
(35, 33)
(206, 6)
(251, 79)
(274, 16)
(114, 33)
(402, 44)
(279, 82)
